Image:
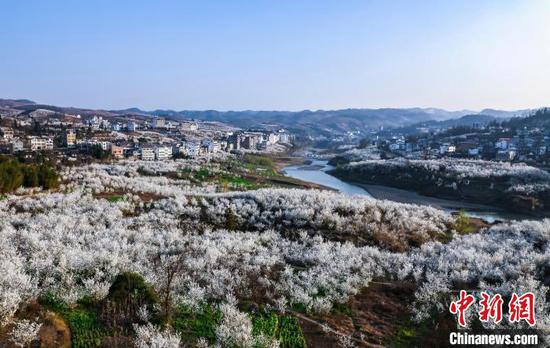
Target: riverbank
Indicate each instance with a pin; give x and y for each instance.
(315, 172)
(281, 162)
(475, 183)
(404, 196)
(318, 172)
(485, 212)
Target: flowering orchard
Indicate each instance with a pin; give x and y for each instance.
(276, 247)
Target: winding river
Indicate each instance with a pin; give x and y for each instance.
(316, 172)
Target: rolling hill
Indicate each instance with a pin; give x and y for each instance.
(306, 122)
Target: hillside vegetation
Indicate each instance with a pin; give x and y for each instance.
(173, 263)
(516, 187)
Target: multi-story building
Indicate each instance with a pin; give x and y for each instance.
(447, 148)
(158, 122)
(6, 133)
(95, 122)
(147, 153)
(17, 145)
(251, 140)
(70, 138)
(235, 141)
(189, 126)
(190, 149)
(163, 152)
(40, 143)
(505, 155)
(104, 144)
(284, 137)
(117, 151)
(211, 146)
(273, 138)
(132, 126)
(503, 143)
(171, 124)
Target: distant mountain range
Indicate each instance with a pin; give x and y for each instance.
(319, 122)
(330, 122)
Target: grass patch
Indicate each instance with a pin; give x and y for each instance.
(284, 328)
(195, 324)
(202, 174)
(261, 165)
(261, 161)
(432, 332)
(290, 333)
(115, 198)
(462, 224)
(237, 182)
(405, 337)
(266, 324)
(86, 330)
(343, 308)
(52, 302)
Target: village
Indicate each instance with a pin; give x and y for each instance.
(72, 137)
(495, 141)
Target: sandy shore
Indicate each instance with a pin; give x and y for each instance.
(279, 163)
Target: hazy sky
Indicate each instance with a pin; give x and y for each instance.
(276, 54)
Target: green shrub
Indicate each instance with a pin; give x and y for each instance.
(52, 302)
(462, 223)
(131, 285)
(202, 174)
(14, 174)
(230, 220)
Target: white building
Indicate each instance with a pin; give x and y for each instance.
(212, 146)
(104, 144)
(158, 122)
(40, 143)
(172, 124)
(273, 138)
(447, 148)
(190, 149)
(473, 152)
(394, 147)
(284, 137)
(163, 153)
(95, 122)
(132, 126)
(7, 133)
(17, 144)
(189, 126)
(70, 138)
(505, 155)
(147, 153)
(503, 143)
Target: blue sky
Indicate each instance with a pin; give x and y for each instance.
(284, 55)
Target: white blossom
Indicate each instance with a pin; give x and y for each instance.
(24, 332)
(149, 336)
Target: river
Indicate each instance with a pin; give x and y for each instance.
(316, 172)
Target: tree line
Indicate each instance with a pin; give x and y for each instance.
(14, 174)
